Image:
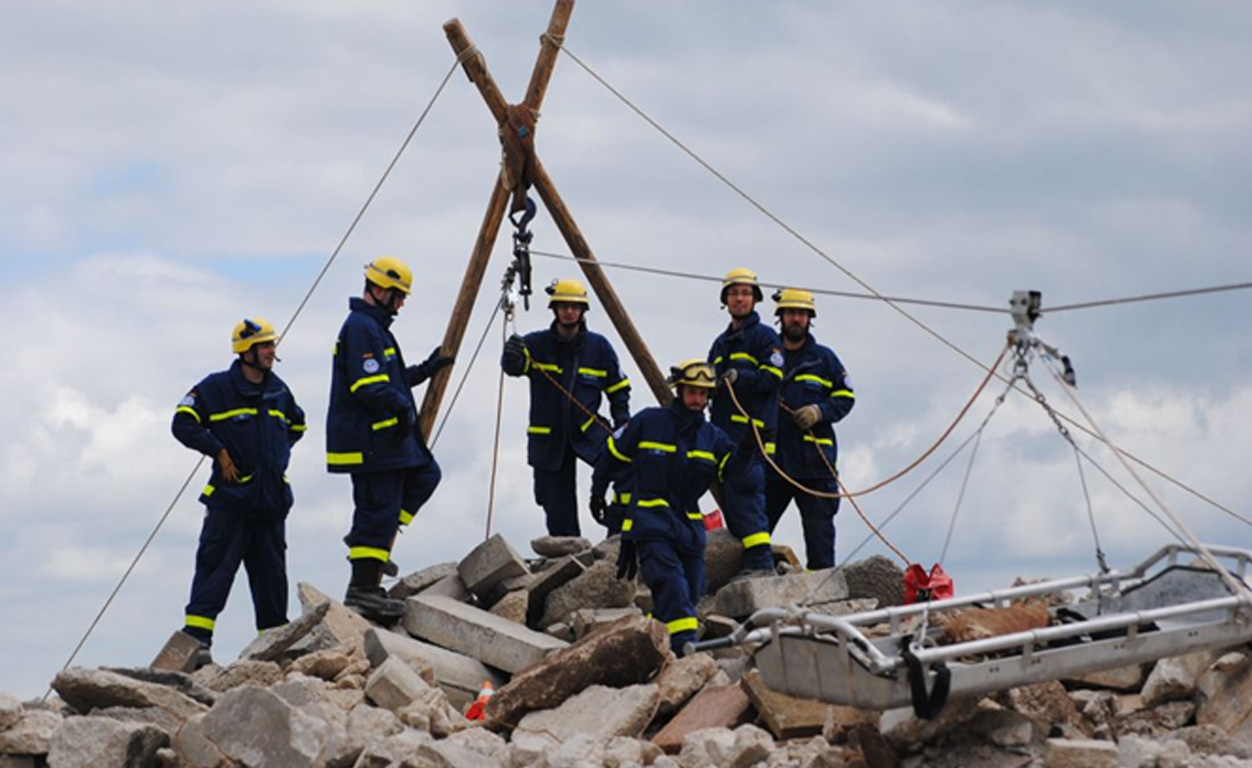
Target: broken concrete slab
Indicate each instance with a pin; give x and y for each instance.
(88, 689)
(477, 633)
(724, 706)
(1174, 677)
(681, 679)
(723, 555)
(271, 644)
(1080, 753)
(256, 727)
(596, 587)
(626, 653)
(587, 620)
(545, 582)
(394, 684)
(246, 672)
(786, 716)
(1125, 679)
(178, 654)
(598, 712)
(90, 742)
(450, 586)
(558, 546)
(743, 747)
(31, 734)
(512, 606)
(340, 626)
(421, 580)
(459, 676)
(743, 598)
(488, 564)
(1225, 696)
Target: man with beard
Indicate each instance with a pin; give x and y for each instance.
(372, 433)
(748, 359)
(816, 393)
(246, 420)
(570, 368)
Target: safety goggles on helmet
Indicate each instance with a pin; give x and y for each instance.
(567, 292)
(693, 373)
(794, 298)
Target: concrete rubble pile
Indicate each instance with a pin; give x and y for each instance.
(581, 677)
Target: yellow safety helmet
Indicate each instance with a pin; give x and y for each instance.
(794, 298)
(567, 291)
(251, 332)
(390, 272)
(693, 373)
(741, 276)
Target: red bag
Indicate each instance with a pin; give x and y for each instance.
(713, 520)
(920, 587)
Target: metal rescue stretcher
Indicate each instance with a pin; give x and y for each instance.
(1161, 608)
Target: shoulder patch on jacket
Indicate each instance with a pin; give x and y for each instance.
(776, 359)
(370, 365)
(189, 401)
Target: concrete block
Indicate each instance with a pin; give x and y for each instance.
(88, 689)
(1082, 753)
(589, 620)
(421, 580)
(477, 633)
(10, 710)
(743, 598)
(1225, 696)
(31, 734)
(786, 716)
(598, 711)
(488, 564)
(88, 742)
(340, 626)
(557, 574)
(878, 577)
(681, 679)
(178, 654)
(271, 644)
(626, 653)
(458, 675)
(558, 546)
(596, 587)
(714, 707)
(450, 586)
(255, 727)
(394, 684)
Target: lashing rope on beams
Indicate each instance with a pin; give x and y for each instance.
(300, 308)
(894, 305)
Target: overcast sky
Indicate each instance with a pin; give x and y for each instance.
(169, 168)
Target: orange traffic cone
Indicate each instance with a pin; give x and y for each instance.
(478, 709)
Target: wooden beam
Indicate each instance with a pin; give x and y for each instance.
(475, 67)
(613, 306)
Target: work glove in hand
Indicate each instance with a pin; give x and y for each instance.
(730, 376)
(807, 416)
(598, 507)
(437, 361)
(515, 351)
(230, 473)
(627, 561)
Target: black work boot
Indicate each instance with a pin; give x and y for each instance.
(367, 598)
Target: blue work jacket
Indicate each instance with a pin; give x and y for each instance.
(812, 375)
(371, 397)
(257, 424)
(672, 456)
(586, 367)
(755, 352)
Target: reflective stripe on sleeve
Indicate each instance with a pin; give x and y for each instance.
(701, 455)
(818, 440)
(619, 385)
(405, 517)
(744, 356)
(539, 430)
(341, 459)
(185, 409)
(627, 524)
(599, 374)
(554, 368)
(741, 419)
(770, 448)
(694, 516)
(587, 424)
(843, 393)
(394, 420)
(649, 445)
(813, 377)
(653, 503)
(612, 444)
(772, 370)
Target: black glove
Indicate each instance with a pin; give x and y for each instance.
(627, 561)
(437, 361)
(730, 376)
(598, 507)
(515, 351)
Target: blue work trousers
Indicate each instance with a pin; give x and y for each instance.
(228, 539)
(743, 501)
(380, 499)
(675, 575)
(555, 492)
(817, 516)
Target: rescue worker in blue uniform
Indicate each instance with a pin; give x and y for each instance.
(246, 420)
(570, 369)
(372, 433)
(816, 393)
(673, 455)
(748, 359)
